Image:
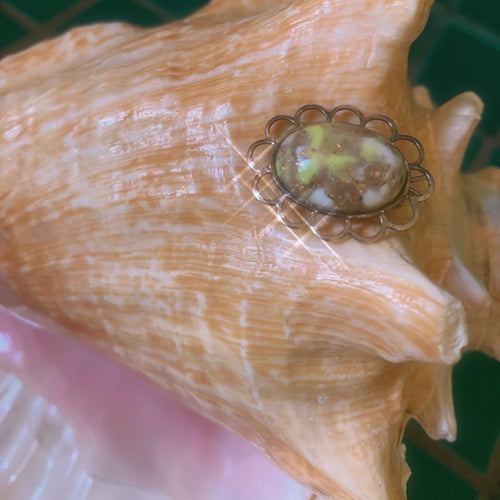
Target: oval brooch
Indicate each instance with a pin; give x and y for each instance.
(338, 173)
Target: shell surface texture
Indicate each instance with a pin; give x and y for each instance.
(128, 222)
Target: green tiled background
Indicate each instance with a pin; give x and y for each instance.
(458, 51)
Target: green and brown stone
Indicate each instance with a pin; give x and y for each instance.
(340, 168)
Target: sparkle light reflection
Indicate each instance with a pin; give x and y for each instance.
(239, 178)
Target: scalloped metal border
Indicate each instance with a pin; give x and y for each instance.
(409, 194)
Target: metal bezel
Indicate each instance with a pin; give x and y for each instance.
(295, 122)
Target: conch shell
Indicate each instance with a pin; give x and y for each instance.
(127, 216)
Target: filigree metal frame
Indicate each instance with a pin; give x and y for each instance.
(416, 174)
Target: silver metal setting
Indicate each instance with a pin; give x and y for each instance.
(419, 186)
